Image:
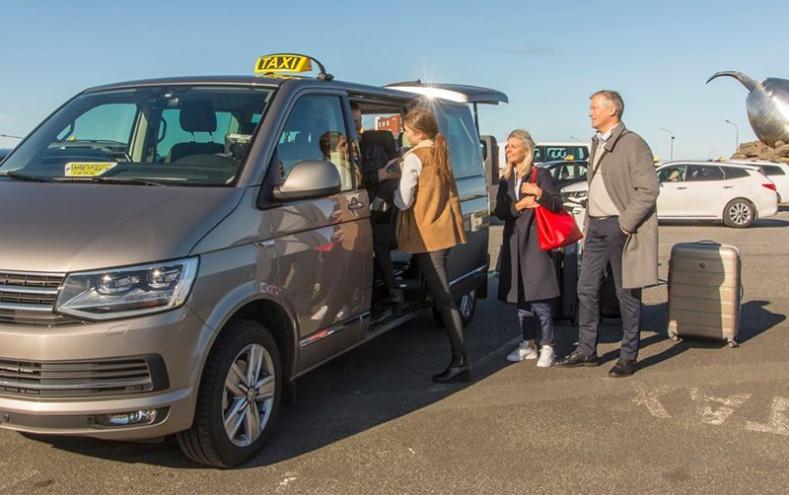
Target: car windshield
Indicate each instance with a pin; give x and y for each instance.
(179, 135)
(547, 153)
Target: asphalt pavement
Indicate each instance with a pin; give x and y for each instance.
(697, 418)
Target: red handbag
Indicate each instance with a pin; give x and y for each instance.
(554, 230)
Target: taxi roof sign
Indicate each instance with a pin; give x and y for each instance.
(282, 64)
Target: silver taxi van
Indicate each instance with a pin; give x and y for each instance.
(176, 252)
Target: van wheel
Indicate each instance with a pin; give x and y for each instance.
(239, 397)
(739, 213)
(467, 305)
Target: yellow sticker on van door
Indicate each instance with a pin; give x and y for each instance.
(87, 169)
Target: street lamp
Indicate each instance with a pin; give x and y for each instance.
(10, 136)
(671, 141)
(736, 135)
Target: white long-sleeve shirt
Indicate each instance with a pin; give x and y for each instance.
(409, 178)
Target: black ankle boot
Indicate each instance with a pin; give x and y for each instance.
(459, 370)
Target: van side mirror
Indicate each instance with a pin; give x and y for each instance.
(309, 179)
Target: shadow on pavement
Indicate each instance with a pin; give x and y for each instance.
(754, 320)
(382, 380)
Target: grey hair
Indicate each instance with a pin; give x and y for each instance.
(615, 99)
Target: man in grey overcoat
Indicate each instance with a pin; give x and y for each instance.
(621, 228)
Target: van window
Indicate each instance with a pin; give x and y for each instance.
(315, 130)
(180, 135)
(111, 123)
(704, 173)
(458, 127)
(173, 133)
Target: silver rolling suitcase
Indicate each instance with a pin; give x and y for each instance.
(704, 291)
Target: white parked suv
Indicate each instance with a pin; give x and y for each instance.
(776, 172)
(734, 193)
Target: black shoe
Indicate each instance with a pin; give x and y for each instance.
(578, 359)
(459, 370)
(623, 368)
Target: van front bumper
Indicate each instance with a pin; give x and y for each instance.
(80, 379)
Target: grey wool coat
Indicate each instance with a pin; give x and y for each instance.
(629, 176)
(526, 273)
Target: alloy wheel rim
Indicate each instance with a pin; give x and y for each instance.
(740, 214)
(248, 396)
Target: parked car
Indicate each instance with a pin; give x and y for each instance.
(553, 151)
(777, 172)
(183, 249)
(734, 193)
(550, 152)
(565, 173)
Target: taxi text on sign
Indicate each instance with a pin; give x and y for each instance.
(283, 63)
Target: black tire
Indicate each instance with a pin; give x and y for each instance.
(739, 213)
(207, 441)
(467, 305)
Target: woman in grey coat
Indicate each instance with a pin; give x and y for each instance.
(527, 275)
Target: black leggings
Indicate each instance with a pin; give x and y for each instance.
(433, 266)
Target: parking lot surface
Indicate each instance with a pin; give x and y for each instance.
(697, 418)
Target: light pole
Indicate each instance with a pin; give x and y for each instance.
(671, 141)
(736, 135)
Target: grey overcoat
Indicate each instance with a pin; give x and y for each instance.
(629, 176)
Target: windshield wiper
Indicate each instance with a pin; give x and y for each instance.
(19, 176)
(109, 180)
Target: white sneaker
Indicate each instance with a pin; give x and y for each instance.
(522, 352)
(547, 357)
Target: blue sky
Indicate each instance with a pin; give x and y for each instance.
(547, 56)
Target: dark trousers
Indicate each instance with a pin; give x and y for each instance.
(433, 266)
(532, 314)
(605, 243)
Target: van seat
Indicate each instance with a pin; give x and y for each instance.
(196, 116)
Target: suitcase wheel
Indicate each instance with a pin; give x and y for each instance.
(733, 344)
(674, 338)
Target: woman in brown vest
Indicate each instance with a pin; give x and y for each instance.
(431, 223)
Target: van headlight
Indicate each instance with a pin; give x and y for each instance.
(128, 291)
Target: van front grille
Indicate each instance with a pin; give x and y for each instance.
(29, 298)
(66, 379)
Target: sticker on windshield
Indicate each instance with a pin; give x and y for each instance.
(87, 169)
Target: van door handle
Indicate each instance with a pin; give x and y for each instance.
(681, 188)
(355, 204)
(728, 187)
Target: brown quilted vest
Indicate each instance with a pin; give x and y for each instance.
(435, 221)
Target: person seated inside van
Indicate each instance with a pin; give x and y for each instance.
(379, 154)
(334, 148)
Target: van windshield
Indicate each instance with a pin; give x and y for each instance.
(179, 135)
